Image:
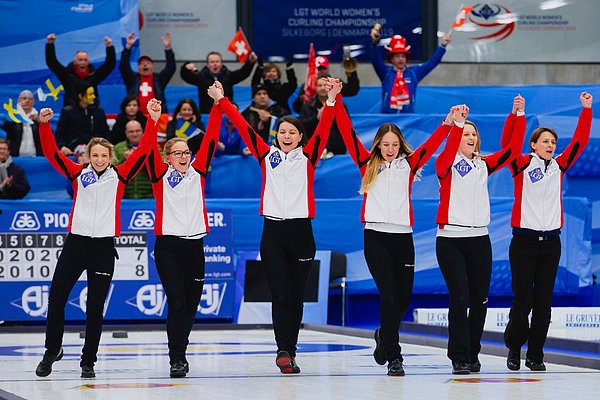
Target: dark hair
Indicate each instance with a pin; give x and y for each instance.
(535, 136)
(297, 123)
(2, 141)
(82, 87)
(214, 53)
(129, 98)
(187, 100)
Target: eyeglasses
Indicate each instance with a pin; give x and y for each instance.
(180, 154)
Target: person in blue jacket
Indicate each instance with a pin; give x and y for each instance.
(399, 81)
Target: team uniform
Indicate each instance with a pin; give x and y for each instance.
(287, 246)
(93, 223)
(181, 223)
(463, 245)
(388, 217)
(535, 249)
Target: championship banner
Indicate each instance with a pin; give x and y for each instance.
(31, 240)
(291, 26)
(522, 31)
(197, 27)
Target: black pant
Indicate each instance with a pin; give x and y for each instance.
(391, 260)
(180, 265)
(533, 264)
(287, 250)
(466, 264)
(80, 253)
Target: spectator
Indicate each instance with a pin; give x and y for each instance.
(80, 70)
(24, 138)
(349, 89)
(130, 111)
(146, 84)
(399, 82)
(263, 113)
(269, 76)
(80, 123)
(13, 181)
(230, 141)
(310, 116)
(215, 71)
(139, 187)
(187, 111)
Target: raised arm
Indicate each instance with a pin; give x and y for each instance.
(240, 74)
(207, 149)
(52, 62)
(58, 160)
(360, 155)
(125, 65)
(424, 152)
(109, 62)
(581, 137)
(425, 68)
(317, 142)
(168, 71)
(256, 145)
(446, 157)
(136, 160)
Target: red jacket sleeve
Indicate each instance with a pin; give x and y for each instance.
(209, 143)
(136, 160)
(316, 144)
(514, 127)
(360, 155)
(446, 157)
(256, 145)
(424, 152)
(581, 137)
(58, 160)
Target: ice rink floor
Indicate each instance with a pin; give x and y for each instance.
(240, 364)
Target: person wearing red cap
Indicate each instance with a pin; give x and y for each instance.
(399, 82)
(146, 84)
(80, 70)
(349, 88)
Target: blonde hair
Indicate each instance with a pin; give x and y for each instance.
(477, 151)
(101, 142)
(376, 160)
(171, 142)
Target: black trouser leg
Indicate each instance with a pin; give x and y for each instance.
(390, 258)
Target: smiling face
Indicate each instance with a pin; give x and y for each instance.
(99, 157)
(469, 141)
(132, 108)
(398, 60)
(288, 137)
(389, 146)
(214, 63)
(178, 156)
(186, 112)
(271, 73)
(544, 146)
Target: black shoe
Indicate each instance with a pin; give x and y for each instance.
(379, 353)
(186, 367)
(295, 367)
(177, 369)
(535, 366)
(395, 368)
(460, 368)
(87, 371)
(44, 368)
(475, 366)
(285, 362)
(513, 361)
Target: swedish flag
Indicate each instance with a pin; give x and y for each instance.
(186, 130)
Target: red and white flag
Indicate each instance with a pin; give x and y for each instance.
(461, 17)
(239, 46)
(310, 87)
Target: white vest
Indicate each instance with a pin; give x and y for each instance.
(469, 200)
(388, 198)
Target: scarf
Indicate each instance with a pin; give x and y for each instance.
(81, 74)
(4, 168)
(400, 95)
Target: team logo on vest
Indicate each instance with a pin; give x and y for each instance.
(33, 301)
(142, 220)
(88, 179)
(174, 178)
(462, 167)
(536, 175)
(25, 221)
(150, 300)
(275, 159)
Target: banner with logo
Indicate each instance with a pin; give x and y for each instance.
(523, 31)
(31, 241)
(197, 27)
(331, 26)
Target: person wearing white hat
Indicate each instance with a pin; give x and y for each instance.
(398, 81)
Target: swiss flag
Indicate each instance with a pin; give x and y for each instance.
(310, 87)
(239, 46)
(461, 17)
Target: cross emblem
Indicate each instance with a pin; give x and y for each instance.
(145, 89)
(240, 48)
